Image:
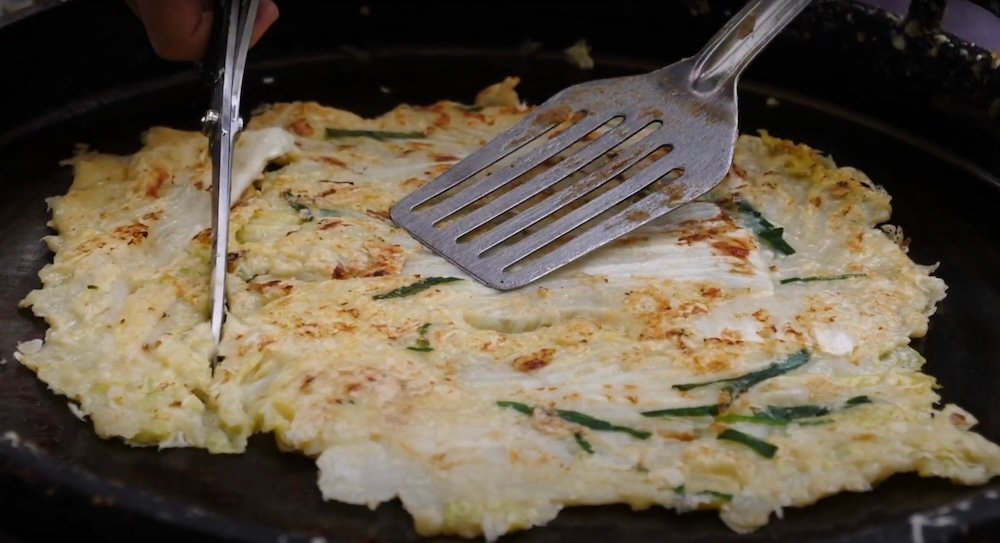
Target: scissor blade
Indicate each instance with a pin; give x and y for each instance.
(222, 152)
(227, 123)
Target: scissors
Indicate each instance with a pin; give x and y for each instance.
(223, 72)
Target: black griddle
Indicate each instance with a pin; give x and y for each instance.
(921, 120)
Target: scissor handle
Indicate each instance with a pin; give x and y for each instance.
(214, 60)
(225, 58)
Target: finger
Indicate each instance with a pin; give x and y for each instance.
(180, 30)
(177, 30)
(267, 14)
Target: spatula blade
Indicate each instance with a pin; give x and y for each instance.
(618, 167)
(594, 162)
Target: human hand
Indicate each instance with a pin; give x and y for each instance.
(180, 29)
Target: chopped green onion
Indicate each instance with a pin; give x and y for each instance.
(813, 422)
(752, 419)
(293, 201)
(696, 411)
(414, 288)
(738, 385)
(765, 230)
(812, 278)
(583, 443)
(793, 412)
(422, 345)
(517, 406)
(778, 415)
(597, 424)
(759, 446)
(377, 135)
(582, 419)
(858, 400)
(774, 239)
(296, 204)
(720, 496)
(92, 287)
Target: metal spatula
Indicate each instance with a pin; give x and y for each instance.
(594, 162)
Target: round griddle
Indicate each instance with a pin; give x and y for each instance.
(922, 123)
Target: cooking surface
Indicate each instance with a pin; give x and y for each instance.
(946, 208)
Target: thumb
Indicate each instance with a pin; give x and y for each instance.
(180, 29)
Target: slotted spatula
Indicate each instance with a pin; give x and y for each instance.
(594, 162)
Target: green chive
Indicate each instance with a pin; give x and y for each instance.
(517, 406)
(738, 385)
(813, 422)
(696, 411)
(812, 278)
(92, 287)
(414, 288)
(293, 200)
(720, 496)
(766, 231)
(577, 417)
(422, 345)
(858, 400)
(795, 412)
(377, 135)
(583, 443)
(597, 424)
(792, 412)
(759, 446)
(752, 419)
(296, 204)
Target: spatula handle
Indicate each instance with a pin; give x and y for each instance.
(729, 51)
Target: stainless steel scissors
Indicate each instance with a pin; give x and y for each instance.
(223, 70)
